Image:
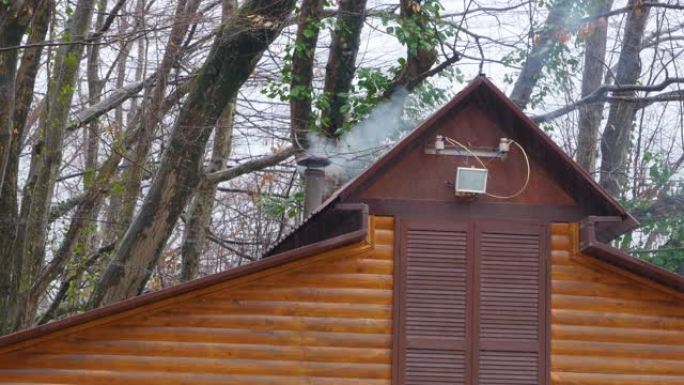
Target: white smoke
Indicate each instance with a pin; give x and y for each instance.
(363, 143)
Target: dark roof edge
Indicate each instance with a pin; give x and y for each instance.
(589, 244)
(200, 283)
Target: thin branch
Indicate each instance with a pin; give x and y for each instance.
(223, 243)
(61, 208)
(108, 21)
(50, 313)
(617, 11)
(252, 165)
(601, 94)
(114, 100)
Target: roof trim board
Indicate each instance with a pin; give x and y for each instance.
(12, 341)
(590, 245)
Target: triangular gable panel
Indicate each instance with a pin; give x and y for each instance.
(478, 115)
(418, 175)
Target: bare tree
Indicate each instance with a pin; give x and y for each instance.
(301, 84)
(14, 21)
(341, 65)
(238, 46)
(616, 139)
(29, 245)
(185, 12)
(25, 80)
(542, 48)
(200, 209)
(590, 116)
(161, 81)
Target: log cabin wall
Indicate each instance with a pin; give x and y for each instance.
(321, 320)
(609, 327)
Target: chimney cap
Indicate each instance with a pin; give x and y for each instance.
(312, 161)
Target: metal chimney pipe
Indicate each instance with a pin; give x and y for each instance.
(314, 182)
(314, 185)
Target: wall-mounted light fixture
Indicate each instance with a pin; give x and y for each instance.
(470, 180)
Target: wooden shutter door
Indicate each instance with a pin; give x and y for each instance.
(435, 307)
(510, 321)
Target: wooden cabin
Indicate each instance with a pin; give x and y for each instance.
(397, 279)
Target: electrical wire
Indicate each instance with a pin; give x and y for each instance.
(527, 179)
(453, 141)
(527, 163)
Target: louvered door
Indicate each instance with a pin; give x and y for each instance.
(473, 304)
(511, 304)
(436, 307)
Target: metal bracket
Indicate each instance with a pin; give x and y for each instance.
(460, 152)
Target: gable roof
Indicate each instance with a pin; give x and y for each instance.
(482, 92)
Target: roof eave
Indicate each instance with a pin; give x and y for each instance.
(592, 246)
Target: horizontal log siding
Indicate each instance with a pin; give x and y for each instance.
(326, 322)
(609, 328)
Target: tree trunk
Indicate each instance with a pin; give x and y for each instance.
(14, 21)
(616, 140)
(540, 53)
(419, 58)
(185, 12)
(339, 72)
(238, 47)
(29, 246)
(592, 78)
(8, 66)
(77, 231)
(200, 209)
(308, 28)
(85, 238)
(25, 80)
(112, 229)
(199, 212)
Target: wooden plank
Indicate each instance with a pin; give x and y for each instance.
(327, 295)
(608, 364)
(306, 279)
(625, 290)
(240, 336)
(357, 265)
(215, 350)
(230, 280)
(233, 366)
(104, 377)
(617, 305)
(562, 348)
(612, 319)
(575, 378)
(285, 308)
